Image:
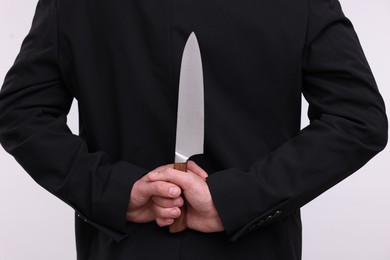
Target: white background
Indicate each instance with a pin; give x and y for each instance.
(350, 221)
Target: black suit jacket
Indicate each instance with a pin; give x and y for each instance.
(121, 59)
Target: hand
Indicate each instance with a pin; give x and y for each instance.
(154, 200)
(201, 214)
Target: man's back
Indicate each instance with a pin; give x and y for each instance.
(121, 61)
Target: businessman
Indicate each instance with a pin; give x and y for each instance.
(121, 61)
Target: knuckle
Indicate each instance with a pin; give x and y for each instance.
(168, 171)
(148, 177)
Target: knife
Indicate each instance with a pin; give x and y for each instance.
(190, 114)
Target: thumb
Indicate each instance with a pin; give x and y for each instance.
(182, 179)
(144, 189)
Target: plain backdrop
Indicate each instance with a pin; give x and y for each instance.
(350, 221)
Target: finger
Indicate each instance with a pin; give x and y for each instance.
(164, 222)
(183, 180)
(167, 202)
(140, 216)
(166, 213)
(193, 167)
(159, 188)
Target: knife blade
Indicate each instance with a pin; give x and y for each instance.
(190, 114)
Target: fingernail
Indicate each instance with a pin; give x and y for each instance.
(154, 173)
(174, 191)
(174, 213)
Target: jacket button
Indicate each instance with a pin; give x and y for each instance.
(260, 223)
(277, 213)
(253, 227)
(269, 218)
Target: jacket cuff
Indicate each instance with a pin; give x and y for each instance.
(109, 209)
(238, 200)
(234, 203)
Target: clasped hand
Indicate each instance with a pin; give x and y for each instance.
(157, 197)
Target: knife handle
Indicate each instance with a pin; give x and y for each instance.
(180, 223)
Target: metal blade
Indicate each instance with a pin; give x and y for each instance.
(190, 112)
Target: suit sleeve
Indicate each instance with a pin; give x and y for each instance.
(348, 126)
(34, 103)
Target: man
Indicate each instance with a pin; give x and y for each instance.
(121, 61)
